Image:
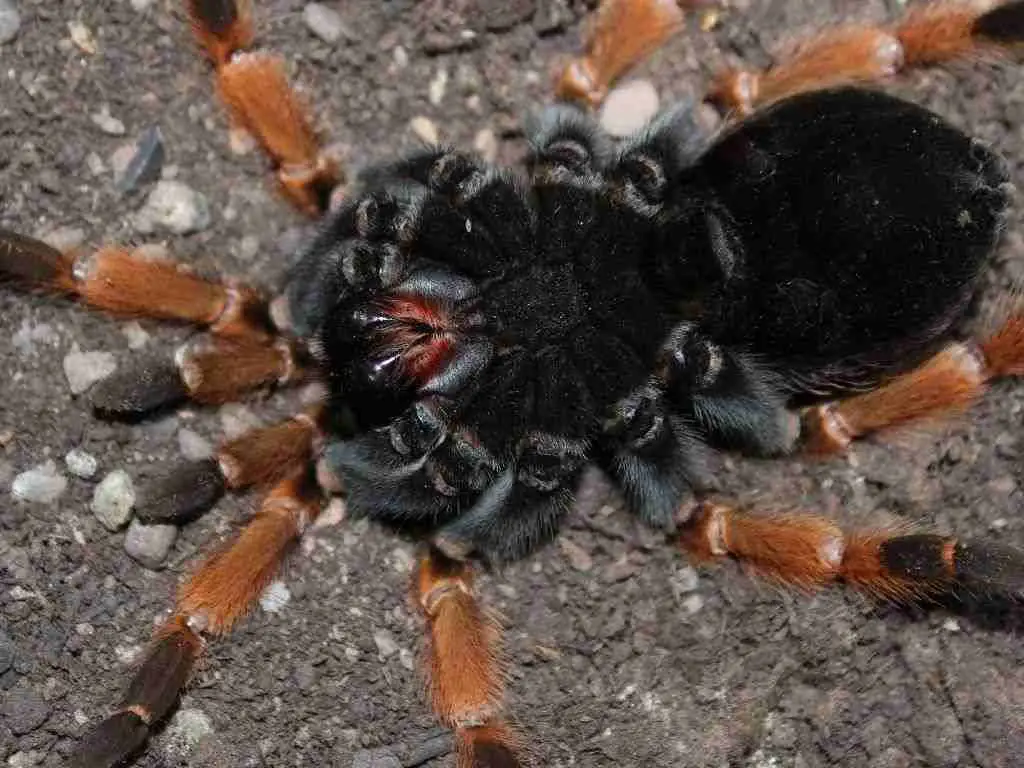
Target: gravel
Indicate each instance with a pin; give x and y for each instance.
(184, 732)
(629, 107)
(144, 164)
(43, 484)
(173, 207)
(376, 758)
(385, 642)
(149, 545)
(83, 369)
(275, 597)
(194, 446)
(10, 21)
(324, 22)
(24, 710)
(424, 129)
(107, 123)
(81, 464)
(113, 500)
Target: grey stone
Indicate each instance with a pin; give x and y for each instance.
(194, 447)
(184, 732)
(28, 335)
(376, 758)
(24, 710)
(275, 597)
(145, 163)
(64, 238)
(10, 21)
(80, 463)
(113, 500)
(424, 129)
(43, 484)
(236, 420)
(107, 123)
(629, 107)
(578, 557)
(148, 545)
(386, 645)
(6, 652)
(324, 22)
(83, 369)
(173, 207)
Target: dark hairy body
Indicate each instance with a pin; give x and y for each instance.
(486, 336)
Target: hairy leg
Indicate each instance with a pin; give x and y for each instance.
(219, 594)
(465, 673)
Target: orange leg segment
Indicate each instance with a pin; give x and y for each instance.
(935, 33)
(947, 383)
(808, 552)
(623, 32)
(255, 89)
(466, 675)
(219, 594)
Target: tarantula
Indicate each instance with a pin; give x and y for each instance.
(484, 336)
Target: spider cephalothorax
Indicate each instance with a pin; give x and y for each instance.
(486, 335)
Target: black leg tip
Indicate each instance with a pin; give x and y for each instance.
(28, 262)
(1003, 25)
(111, 742)
(134, 394)
(183, 494)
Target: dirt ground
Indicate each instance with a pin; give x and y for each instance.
(619, 657)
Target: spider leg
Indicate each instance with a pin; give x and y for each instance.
(809, 551)
(466, 676)
(947, 383)
(255, 88)
(128, 283)
(258, 458)
(622, 33)
(211, 602)
(929, 34)
(211, 371)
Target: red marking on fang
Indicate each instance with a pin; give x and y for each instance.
(419, 331)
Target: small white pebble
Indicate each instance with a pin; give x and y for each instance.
(236, 420)
(275, 597)
(401, 57)
(113, 500)
(424, 129)
(10, 21)
(173, 207)
(107, 123)
(629, 107)
(385, 641)
(149, 545)
(43, 484)
(83, 369)
(486, 143)
(194, 446)
(137, 336)
(64, 238)
(81, 464)
(85, 629)
(184, 732)
(693, 604)
(438, 86)
(324, 22)
(82, 37)
(951, 625)
(128, 654)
